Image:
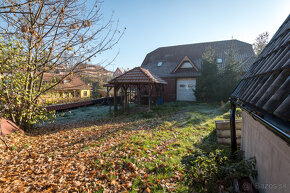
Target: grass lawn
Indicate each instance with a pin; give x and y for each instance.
(137, 152)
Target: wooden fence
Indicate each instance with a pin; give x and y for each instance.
(67, 106)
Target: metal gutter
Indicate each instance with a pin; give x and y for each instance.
(280, 133)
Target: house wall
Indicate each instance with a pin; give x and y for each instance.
(85, 93)
(170, 89)
(61, 95)
(272, 156)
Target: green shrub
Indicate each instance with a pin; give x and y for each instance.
(206, 171)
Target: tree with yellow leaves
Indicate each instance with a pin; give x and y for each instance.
(46, 34)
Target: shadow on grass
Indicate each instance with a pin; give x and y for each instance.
(207, 145)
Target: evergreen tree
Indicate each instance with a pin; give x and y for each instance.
(229, 76)
(206, 88)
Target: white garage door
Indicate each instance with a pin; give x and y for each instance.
(185, 89)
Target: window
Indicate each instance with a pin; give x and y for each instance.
(186, 65)
(85, 93)
(219, 60)
(182, 85)
(159, 64)
(190, 85)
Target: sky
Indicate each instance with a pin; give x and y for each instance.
(151, 24)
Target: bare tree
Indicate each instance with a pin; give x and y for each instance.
(47, 34)
(261, 42)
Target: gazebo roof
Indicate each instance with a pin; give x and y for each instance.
(137, 75)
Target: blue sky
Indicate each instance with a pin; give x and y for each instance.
(156, 23)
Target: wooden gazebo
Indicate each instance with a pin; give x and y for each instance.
(139, 79)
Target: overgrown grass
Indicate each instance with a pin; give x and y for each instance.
(176, 130)
(135, 152)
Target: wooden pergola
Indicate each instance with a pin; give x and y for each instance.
(139, 79)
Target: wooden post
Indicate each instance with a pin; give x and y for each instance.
(129, 100)
(149, 97)
(115, 100)
(107, 95)
(121, 94)
(125, 98)
(108, 101)
(162, 93)
(139, 94)
(130, 91)
(233, 129)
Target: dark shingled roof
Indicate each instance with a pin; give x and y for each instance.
(171, 56)
(137, 75)
(266, 86)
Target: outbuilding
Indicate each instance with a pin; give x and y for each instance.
(264, 96)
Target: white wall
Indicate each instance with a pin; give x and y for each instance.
(272, 156)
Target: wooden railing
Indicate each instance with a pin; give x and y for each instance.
(67, 106)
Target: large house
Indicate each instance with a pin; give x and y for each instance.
(180, 65)
(264, 96)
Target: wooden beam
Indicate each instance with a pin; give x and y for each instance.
(156, 94)
(233, 129)
(130, 95)
(115, 99)
(125, 98)
(139, 94)
(162, 93)
(149, 97)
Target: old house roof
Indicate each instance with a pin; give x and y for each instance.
(136, 76)
(266, 86)
(69, 83)
(170, 57)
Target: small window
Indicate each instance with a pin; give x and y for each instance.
(219, 60)
(85, 93)
(186, 65)
(182, 85)
(159, 64)
(190, 85)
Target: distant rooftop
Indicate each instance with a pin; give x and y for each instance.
(172, 55)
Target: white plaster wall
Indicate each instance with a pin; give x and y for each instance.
(272, 156)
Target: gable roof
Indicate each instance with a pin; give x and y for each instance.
(185, 59)
(137, 75)
(266, 86)
(172, 56)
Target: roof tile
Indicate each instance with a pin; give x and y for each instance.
(137, 75)
(266, 86)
